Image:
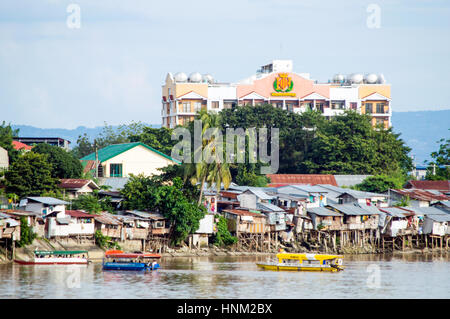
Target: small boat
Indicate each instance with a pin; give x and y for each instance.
(57, 257)
(119, 260)
(304, 262)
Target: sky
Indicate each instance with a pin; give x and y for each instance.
(111, 69)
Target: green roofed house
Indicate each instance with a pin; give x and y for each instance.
(121, 160)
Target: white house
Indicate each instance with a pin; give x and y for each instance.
(4, 160)
(121, 160)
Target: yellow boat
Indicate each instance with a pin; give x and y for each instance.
(304, 262)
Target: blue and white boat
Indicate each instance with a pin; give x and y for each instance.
(119, 260)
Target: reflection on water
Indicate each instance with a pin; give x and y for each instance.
(399, 276)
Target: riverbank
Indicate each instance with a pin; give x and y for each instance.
(96, 253)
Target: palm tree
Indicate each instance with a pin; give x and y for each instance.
(215, 170)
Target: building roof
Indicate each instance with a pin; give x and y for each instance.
(352, 210)
(426, 210)
(19, 146)
(396, 212)
(115, 183)
(445, 203)
(79, 214)
(107, 218)
(267, 207)
(322, 211)
(111, 151)
(242, 212)
(259, 193)
(291, 179)
(48, 200)
(422, 195)
(361, 195)
(429, 185)
(439, 218)
(349, 180)
(74, 183)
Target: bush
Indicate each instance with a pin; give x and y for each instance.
(223, 237)
(105, 241)
(26, 233)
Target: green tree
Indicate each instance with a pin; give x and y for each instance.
(158, 138)
(6, 138)
(92, 203)
(84, 146)
(149, 194)
(30, 174)
(348, 144)
(439, 168)
(381, 183)
(65, 164)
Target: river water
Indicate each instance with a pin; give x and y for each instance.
(365, 276)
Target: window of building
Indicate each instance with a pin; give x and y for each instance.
(380, 121)
(197, 106)
(115, 170)
(215, 104)
(319, 106)
(368, 108)
(353, 105)
(337, 105)
(380, 108)
(186, 107)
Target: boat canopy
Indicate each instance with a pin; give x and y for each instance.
(129, 255)
(319, 257)
(59, 252)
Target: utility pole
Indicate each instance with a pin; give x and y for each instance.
(96, 159)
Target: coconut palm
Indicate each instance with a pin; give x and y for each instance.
(214, 169)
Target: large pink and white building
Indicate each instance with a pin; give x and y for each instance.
(276, 84)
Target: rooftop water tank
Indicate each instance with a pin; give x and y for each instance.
(180, 77)
(371, 78)
(381, 79)
(207, 78)
(356, 78)
(338, 78)
(195, 77)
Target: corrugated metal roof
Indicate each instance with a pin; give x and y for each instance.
(267, 207)
(116, 183)
(76, 183)
(350, 180)
(395, 212)
(242, 212)
(259, 193)
(427, 185)
(48, 200)
(322, 211)
(427, 210)
(290, 179)
(350, 209)
(79, 214)
(439, 218)
(107, 218)
(419, 194)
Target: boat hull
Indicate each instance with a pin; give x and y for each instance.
(297, 268)
(128, 266)
(54, 261)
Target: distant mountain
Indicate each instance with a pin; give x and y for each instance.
(420, 130)
(71, 135)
